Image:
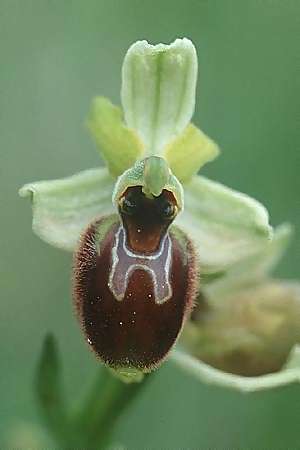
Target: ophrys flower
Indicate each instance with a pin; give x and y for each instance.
(135, 271)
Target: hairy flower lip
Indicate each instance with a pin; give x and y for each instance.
(124, 319)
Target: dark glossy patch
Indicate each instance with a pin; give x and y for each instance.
(146, 220)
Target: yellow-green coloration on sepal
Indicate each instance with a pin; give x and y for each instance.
(119, 145)
(156, 175)
(135, 176)
(158, 99)
(189, 151)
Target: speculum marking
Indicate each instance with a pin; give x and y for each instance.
(125, 262)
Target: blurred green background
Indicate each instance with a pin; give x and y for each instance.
(55, 56)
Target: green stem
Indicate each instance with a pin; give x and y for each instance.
(93, 424)
(107, 400)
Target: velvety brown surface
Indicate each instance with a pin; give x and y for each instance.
(134, 332)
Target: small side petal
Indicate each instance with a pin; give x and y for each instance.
(225, 225)
(158, 90)
(207, 374)
(119, 146)
(63, 208)
(189, 151)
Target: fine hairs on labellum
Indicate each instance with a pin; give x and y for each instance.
(135, 281)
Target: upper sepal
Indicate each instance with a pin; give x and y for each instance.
(158, 90)
(158, 96)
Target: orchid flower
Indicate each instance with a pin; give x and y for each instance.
(152, 238)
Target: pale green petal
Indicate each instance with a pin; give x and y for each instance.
(225, 225)
(63, 208)
(254, 268)
(158, 90)
(119, 146)
(207, 374)
(189, 151)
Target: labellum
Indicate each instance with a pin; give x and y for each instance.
(135, 281)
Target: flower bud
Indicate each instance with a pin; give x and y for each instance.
(134, 281)
(249, 332)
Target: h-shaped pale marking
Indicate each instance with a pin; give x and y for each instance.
(125, 262)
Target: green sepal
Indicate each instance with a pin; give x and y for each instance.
(225, 225)
(63, 208)
(255, 267)
(189, 151)
(158, 90)
(119, 145)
